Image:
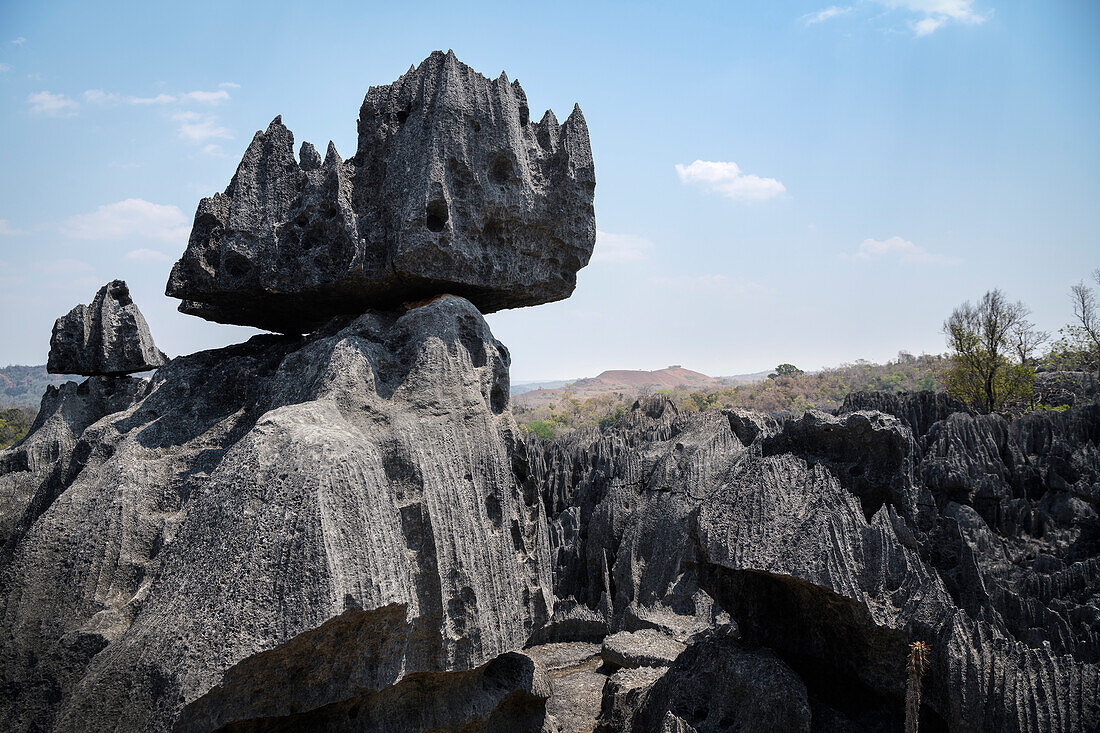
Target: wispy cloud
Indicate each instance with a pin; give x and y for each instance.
(726, 179)
(821, 15)
(229, 85)
(5, 68)
(101, 97)
(201, 128)
(19, 41)
(207, 97)
(899, 249)
(931, 15)
(7, 230)
(54, 105)
(130, 218)
(159, 99)
(147, 255)
(620, 248)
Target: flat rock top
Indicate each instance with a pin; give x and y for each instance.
(645, 648)
(453, 189)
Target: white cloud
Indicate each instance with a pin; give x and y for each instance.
(229, 85)
(98, 96)
(5, 68)
(934, 14)
(900, 249)
(830, 12)
(726, 179)
(48, 103)
(130, 218)
(19, 41)
(206, 97)
(620, 248)
(147, 255)
(159, 99)
(6, 229)
(198, 129)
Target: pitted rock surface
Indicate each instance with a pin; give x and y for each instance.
(253, 503)
(453, 189)
(107, 337)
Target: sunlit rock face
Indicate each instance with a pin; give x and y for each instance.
(453, 189)
(247, 496)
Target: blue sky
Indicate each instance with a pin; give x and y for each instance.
(776, 182)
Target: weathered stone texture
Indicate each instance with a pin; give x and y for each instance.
(107, 337)
(258, 493)
(453, 189)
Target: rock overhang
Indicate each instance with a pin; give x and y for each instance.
(452, 189)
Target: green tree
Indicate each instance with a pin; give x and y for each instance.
(984, 373)
(542, 429)
(14, 424)
(785, 370)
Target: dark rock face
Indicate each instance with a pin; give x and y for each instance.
(453, 189)
(361, 651)
(986, 546)
(717, 685)
(108, 337)
(209, 532)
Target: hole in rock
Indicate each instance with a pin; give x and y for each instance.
(437, 214)
(237, 265)
(500, 171)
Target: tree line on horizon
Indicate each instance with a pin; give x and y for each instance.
(991, 365)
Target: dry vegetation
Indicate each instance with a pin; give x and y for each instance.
(792, 393)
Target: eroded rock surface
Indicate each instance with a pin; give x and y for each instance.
(264, 499)
(833, 542)
(453, 189)
(107, 337)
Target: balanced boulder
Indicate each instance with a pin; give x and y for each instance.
(453, 189)
(109, 337)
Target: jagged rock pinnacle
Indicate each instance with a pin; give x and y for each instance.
(452, 189)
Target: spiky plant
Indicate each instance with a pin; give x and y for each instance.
(918, 659)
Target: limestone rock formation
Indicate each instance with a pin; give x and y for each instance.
(253, 504)
(982, 538)
(107, 337)
(453, 189)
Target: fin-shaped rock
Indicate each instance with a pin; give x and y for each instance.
(108, 337)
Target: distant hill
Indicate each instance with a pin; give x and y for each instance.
(521, 387)
(23, 386)
(629, 381)
(748, 378)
